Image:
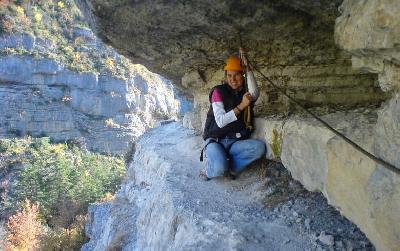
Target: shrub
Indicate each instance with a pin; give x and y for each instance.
(62, 179)
(107, 197)
(79, 40)
(24, 228)
(110, 123)
(4, 3)
(16, 132)
(80, 62)
(14, 146)
(68, 50)
(71, 238)
(25, 21)
(38, 17)
(65, 19)
(20, 11)
(76, 58)
(53, 20)
(110, 64)
(60, 4)
(4, 145)
(7, 24)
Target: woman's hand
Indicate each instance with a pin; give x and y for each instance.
(243, 57)
(242, 51)
(246, 100)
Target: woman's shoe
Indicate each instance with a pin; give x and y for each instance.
(203, 175)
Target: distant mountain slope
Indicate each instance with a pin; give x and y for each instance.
(57, 79)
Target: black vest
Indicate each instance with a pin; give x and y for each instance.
(231, 99)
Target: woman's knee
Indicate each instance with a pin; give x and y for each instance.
(217, 167)
(255, 146)
(216, 159)
(259, 148)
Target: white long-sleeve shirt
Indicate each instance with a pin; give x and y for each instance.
(252, 86)
(223, 117)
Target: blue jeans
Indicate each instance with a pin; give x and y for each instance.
(231, 154)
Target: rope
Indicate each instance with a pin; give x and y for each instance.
(384, 163)
(247, 112)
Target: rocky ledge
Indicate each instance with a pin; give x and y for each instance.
(164, 205)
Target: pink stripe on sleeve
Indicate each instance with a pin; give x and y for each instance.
(216, 97)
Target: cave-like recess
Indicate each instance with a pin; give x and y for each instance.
(291, 41)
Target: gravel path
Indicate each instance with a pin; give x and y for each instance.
(263, 209)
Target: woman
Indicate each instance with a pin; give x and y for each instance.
(226, 133)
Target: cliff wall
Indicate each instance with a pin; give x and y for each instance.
(41, 97)
(338, 58)
(363, 190)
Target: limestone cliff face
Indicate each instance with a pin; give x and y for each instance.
(370, 32)
(330, 55)
(175, 37)
(364, 191)
(42, 98)
(291, 42)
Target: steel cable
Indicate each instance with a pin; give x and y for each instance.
(384, 163)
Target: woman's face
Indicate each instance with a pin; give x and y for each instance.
(235, 79)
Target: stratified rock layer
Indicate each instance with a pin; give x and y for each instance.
(174, 37)
(370, 31)
(294, 45)
(41, 98)
(365, 192)
(291, 42)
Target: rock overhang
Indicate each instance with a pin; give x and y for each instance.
(295, 40)
(176, 37)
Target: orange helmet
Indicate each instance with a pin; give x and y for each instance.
(233, 64)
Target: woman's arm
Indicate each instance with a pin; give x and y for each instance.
(251, 81)
(222, 118)
(252, 86)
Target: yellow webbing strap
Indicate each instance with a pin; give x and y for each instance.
(247, 118)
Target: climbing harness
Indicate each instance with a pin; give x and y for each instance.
(214, 140)
(204, 148)
(352, 143)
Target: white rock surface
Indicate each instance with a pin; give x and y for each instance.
(327, 239)
(41, 98)
(163, 205)
(191, 120)
(361, 189)
(369, 30)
